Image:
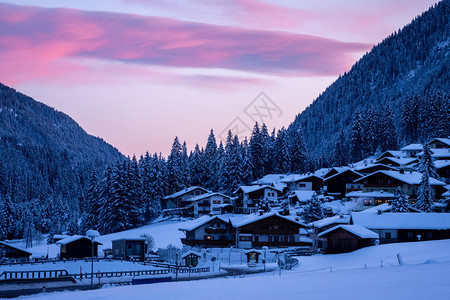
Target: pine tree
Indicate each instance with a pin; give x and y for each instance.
(176, 167)
(340, 151)
(297, 151)
(425, 199)
(370, 130)
(282, 154)
(246, 164)
(313, 210)
(357, 137)
(257, 152)
(388, 133)
(400, 202)
(212, 162)
(7, 220)
(264, 204)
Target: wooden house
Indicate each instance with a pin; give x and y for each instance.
(249, 196)
(300, 197)
(371, 168)
(405, 227)
(179, 199)
(129, 248)
(209, 232)
(191, 258)
(304, 182)
(411, 150)
(342, 183)
(347, 238)
(210, 203)
(443, 170)
(11, 252)
(399, 163)
(320, 226)
(439, 143)
(389, 153)
(77, 246)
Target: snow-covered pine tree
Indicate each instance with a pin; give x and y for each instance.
(388, 133)
(246, 164)
(340, 155)
(299, 161)
(256, 150)
(370, 131)
(400, 202)
(7, 219)
(357, 137)
(282, 161)
(313, 210)
(267, 149)
(264, 204)
(212, 163)
(425, 198)
(176, 167)
(91, 220)
(285, 207)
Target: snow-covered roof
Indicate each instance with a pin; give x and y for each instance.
(437, 153)
(393, 153)
(357, 230)
(365, 167)
(272, 178)
(446, 194)
(303, 196)
(340, 173)
(382, 207)
(189, 253)
(60, 236)
(189, 226)
(321, 172)
(441, 164)
(73, 238)
(364, 162)
(402, 161)
(253, 188)
(412, 178)
(185, 191)
(130, 239)
(336, 169)
(413, 147)
(374, 194)
(17, 248)
(279, 186)
(341, 219)
(252, 251)
(442, 140)
(239, 221)
(301, 177)
(207, 195)
(402, 220)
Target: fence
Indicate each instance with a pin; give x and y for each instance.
(33, 274)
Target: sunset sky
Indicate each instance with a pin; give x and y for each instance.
(138, 73)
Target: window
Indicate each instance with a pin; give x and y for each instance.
(410, 234)
(208, 237)
(245, 238)
(217, 201)
(276, 238)
(302, 185)
(388, 235)
(256, 238)
(292, 238)
(429, 235)
(270, 238)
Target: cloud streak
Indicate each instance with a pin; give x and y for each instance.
(39, 39)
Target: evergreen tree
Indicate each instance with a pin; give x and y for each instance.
(313, 210)
(8, 226)
(176, 167)
(400, 202)
(256, 150)
(246, 165)
(388, 140)
(357, 137)
(425, 199)
(297, 151)
(340, 151)
(282, 161)
(212, 162)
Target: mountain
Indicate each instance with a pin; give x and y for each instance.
(412, 61)
(46, 160)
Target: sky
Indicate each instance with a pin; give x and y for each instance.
(138, 73)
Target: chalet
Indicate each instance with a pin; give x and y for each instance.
(77, 246)
(334, 171)
(191, 258)
(411, 150)
(390, 153)
(129, 248)
(405, 227)
(250, 231)
(371, 198)
(439, 143)
(10, 252)
(179, 199)
(209, 232)
(320, 226)
(388, 181)
(304, 182)
(249, 196)
(443, 170)
(347, 238)
(342, 183)
(371, 168)
(271, 230)
(210, 203)
(401, 162)
(300, 197)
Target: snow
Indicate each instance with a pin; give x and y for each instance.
(357, 230)
(71, 239)
(185, 191)
(394, 153)
(442, 163)
(412, 178)
(272, 178)
(402, 161)
(437, 153)
(207, 195)
(402, 220)
(189, 253)
(340, 173)
(15, 247)
(442, 140)
(252, 188)
(412, 147)
(341, 219)
(382, 207)
(189, 226)
(300, 177)
(303, 196)
(374, 194)
(356, 275)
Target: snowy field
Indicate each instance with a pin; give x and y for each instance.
(423, 274)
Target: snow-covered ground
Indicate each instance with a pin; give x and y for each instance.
(424, 274)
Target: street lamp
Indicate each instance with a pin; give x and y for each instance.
(92, 234)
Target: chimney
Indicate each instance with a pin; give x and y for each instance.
(379, 212)
(341, 216)
(260, 212)
(402, 171)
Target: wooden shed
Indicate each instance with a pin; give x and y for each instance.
(252, 256)
(8, 251)
(77, 246)
(347, 238)
(191, 258)
(131, 248)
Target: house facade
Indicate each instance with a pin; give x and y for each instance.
(10, 252)
(130, 248)
(209, 232)
(210, 203)
(342, 183)
(248, 197)
(347, 238)
(77, 246)
(180, 198)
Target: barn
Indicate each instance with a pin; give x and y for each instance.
(347, 238)
(77, 246)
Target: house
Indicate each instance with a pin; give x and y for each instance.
(10, 252)
(179, 199)
(404, 227)
(300, 197)
(191, 258)
(371, 198)
(388, 181)
(342, 183)
(210, 203)
(347, 238)
(371, 168)
(250, 231)
(390, 153)
(129, 248)
(271, 230)
(249, 196)
(399, 162)
(439, 143)
(320, 226)
(304, 182)
(208, 232)
(334, 171)
(411, 150)
(438, 154)
(77, 246)
(443, 170)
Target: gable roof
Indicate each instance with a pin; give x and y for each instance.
(240, 221)
(335, 169)
(442, 140)
(374, 194)
(303, 196)
(273, 178)
(412, 147)
(74, 238)
(301, 177)
(207, 195)
(253, 188)
(191, 252)
(401, 160)
(339, 219)
(402, 220)
(441, 164)
(438, 153)
(202, 221)
(185, 191)
(357, 230)
(412, 178)
(392, 153)
(14, 247)
(368, 166)
(345, 171)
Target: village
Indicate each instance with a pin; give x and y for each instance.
(262, 227)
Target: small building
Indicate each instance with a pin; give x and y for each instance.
(129, 248)
(10, 252)
(390, 153)
(304, 182)
(343, 182)
(439, 143)
(347, 238)
(371, 168)
(77, 246)
(320, 226)
(179, 199)
(399, 162)
(443, 170)
(411, 150)
(438, 154)
(371, 198)
(252, 256)
(249, 196)
(191, 258)
(209, 203)
(301, 197)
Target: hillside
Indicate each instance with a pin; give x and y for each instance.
(414, 60)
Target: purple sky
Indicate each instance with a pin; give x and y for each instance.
(137, 72)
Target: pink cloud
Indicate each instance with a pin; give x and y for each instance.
(40, 40)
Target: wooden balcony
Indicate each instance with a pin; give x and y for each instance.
(281, 244)
(208, 243)
(215, 230)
